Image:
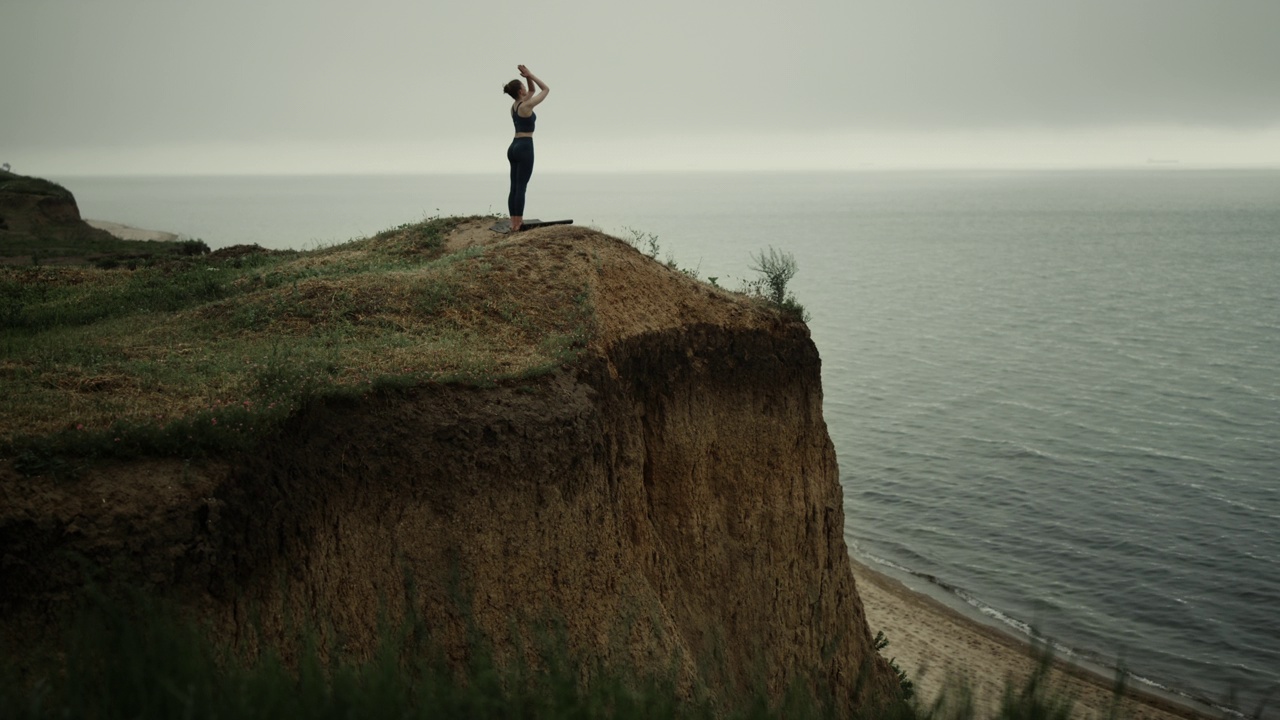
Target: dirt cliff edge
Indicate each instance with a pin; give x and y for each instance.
(672, 493)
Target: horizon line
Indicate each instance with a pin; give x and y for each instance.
(1152, 165)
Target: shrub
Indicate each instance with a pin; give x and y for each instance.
(192, 247)
(646, 243)
(776, 271)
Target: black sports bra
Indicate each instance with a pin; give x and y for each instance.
(523, 124)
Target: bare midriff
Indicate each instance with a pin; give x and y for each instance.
(520, 135)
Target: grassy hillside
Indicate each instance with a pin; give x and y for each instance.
(14, 183)
(203, 353)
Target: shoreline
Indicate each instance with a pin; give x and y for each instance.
(936, 644)
(128, 232)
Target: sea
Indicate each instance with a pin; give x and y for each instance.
(1054, 395)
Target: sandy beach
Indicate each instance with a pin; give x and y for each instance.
(127, 232)
(933, 642)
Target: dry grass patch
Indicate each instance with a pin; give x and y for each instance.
(212, 353)
(246, 340)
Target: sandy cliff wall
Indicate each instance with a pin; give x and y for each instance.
(673, 493)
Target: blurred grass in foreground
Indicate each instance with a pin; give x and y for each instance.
(141, 659)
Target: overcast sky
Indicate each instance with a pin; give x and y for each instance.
(219, 86)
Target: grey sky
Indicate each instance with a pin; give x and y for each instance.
(414, 85)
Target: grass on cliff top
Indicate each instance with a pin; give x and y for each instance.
(207, 353)
(15, 183)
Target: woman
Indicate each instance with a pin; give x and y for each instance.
(520, 154)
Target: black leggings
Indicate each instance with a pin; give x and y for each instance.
(520, 155)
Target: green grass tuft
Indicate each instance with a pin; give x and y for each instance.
(22, 184)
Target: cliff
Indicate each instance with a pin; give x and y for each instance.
(35, 209)
(667, 490)
(40, 224)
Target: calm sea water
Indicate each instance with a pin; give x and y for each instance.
(1054, 395)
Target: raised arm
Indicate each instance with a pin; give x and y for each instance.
(536, 98)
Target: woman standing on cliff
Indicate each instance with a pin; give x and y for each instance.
(520, 154)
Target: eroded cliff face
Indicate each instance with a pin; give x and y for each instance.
(671, 494)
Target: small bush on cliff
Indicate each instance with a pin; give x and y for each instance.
(776, 269)
(646, 243)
